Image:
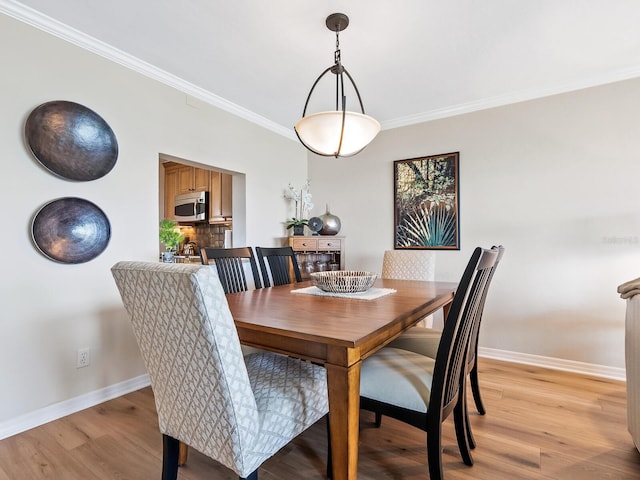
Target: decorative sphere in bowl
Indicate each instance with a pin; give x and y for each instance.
(344, 281)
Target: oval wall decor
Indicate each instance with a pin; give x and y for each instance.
(71, 230)
(71, 141)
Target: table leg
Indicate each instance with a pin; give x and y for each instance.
(445, 311)
(344, 419)
(183, 453)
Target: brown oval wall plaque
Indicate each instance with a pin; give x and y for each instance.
(71, 230)
(71, 140)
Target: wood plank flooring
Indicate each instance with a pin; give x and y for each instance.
(540, 424)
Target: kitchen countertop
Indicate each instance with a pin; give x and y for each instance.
(187, 259)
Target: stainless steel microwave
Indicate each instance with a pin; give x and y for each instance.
(191, 207)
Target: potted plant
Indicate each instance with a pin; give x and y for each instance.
(297, 224)
(171, 237)
(303, 205)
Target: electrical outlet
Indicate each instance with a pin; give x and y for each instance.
(83, 358)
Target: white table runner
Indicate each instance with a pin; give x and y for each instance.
(370, 294)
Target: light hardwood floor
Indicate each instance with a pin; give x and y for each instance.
(540, 424)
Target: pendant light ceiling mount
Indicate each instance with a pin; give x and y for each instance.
(337, 22)
(337, 133)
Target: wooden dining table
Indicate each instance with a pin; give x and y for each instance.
(339, 333)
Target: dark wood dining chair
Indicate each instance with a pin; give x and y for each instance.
(281, 263)
(423, 391)
(230, 265)
(425, 341)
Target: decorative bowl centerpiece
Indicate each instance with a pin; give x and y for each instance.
(344, 281)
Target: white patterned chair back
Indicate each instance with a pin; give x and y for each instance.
(409, 265)
(237, 410)
(190, 346)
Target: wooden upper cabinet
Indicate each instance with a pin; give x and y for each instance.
(170, 191)
(200, 180)
(180, 178)
(220, 206)
(191, 179)
(226, 181)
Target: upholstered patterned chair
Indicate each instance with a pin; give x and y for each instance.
(237, 410)
(410, 265)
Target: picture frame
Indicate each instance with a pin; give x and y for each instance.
(426, 203)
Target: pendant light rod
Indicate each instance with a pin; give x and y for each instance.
(339, 90)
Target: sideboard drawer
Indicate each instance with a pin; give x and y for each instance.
(329, 244)
(305, 244)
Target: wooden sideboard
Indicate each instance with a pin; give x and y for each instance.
(317, 253)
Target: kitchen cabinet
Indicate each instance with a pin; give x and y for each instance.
(192, 179)
(220, 204)
(318, 253)
(179, 179)
(170, 191)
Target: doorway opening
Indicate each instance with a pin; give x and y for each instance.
(225, 224)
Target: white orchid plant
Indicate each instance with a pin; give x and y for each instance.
(303, 205)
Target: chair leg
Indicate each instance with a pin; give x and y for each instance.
(329, 457)
(470, 440)
(170, 451)
(461, 422)
(434, 452)
(252, 476)
(378, 419)
(183, 454)
(475, 389)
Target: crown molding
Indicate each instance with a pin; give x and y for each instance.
(512, 98)
(47, 24)
(65, 32)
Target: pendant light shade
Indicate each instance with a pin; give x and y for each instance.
(321, 132)
(337, 133)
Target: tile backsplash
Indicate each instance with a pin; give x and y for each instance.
(206, 235)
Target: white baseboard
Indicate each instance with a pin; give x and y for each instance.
(613, 373)
(62, 409)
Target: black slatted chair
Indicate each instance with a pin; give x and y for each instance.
(425, 341)
(472, 359)
(229, 262)
(423, 391)
(281, 262)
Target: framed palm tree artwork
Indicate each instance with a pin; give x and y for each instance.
(426, 213)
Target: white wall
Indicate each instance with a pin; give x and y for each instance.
(555, 180)
(48, 310)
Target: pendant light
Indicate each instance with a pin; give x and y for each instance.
(340, 132)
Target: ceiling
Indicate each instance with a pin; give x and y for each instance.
(413, 60)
